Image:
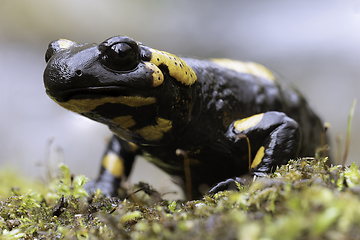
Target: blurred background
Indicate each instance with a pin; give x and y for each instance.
(313, 44)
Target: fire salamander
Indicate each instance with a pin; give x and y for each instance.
(156, 102)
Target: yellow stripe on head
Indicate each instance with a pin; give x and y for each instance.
(124, 121)
(86, 105)
(247, 123)
(158, 77)
(155, 132)
(246, 67)
(178, 69)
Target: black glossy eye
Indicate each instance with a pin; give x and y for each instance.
(120, 57)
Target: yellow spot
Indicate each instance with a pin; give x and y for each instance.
(114, 164)
(258, 157)
(178, 69)
(158, 77)
(247, 123)
(246, 67)
(86, 105)
(64, 43)
(155, 132)
(124, 121)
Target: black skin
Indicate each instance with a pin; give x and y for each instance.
(202, 114)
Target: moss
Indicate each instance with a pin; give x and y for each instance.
(305, 199)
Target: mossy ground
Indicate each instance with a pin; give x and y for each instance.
(305, 199)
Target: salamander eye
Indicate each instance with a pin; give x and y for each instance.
(120, 57)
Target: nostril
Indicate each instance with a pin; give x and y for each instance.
(78, 73)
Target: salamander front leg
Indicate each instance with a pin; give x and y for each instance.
(116, 164)
(274, 139)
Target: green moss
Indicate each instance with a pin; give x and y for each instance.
(12, 182)
(305, 199)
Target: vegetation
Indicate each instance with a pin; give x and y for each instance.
(305, 199)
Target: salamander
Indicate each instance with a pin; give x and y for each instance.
(228, 117)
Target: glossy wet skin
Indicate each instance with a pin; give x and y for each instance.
(83, 79)
(156, 103)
